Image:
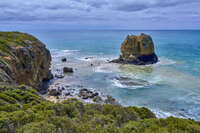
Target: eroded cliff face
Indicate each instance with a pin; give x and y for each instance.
(138, 50)
(23, 59)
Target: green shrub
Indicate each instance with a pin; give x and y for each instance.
(10, 107)
(37, 127)
(29, 113)
(7, 98)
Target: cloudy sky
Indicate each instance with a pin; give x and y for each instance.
(101, 14)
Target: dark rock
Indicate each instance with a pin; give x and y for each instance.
(138, 50)
(131, 83)
(67, 94)
(122, 78)
(182, 109)
(95, 94)
(64, 59)
(86, 94)
(54, 92)
(68, 70)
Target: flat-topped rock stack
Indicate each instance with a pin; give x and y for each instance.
(137, 50)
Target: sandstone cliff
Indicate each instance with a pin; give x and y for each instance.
(23, 59)
(138, 50)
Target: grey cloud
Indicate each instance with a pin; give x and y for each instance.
(97, 4)
(131, 6)
(98, 12)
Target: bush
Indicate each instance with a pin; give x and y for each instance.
(37, 127)
(7, 98)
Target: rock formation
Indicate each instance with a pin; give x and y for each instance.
(23, 60)
(64, 59)
(138, 50)
(68, 70)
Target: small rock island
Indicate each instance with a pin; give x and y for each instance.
(137, 50)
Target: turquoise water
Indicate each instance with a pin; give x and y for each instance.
(170, 87)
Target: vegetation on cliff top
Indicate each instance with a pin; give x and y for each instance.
(22, 110)
(8, 39)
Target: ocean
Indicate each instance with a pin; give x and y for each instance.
(169, 88)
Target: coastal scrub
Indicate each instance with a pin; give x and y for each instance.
(23, 110)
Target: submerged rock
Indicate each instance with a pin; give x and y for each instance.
(68, 70)
(138, 50)
(23, 60)
(89, 58)
(131, 82)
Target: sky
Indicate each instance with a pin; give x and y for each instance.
(100, 14)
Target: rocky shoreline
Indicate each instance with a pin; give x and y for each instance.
(62, 91)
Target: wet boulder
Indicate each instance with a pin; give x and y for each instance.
(64, 59)
(68, 70)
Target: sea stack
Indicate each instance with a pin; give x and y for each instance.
(137, 50)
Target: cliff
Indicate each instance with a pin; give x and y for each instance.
(138, 50)
(23, 59)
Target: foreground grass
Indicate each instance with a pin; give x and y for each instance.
(22, 110)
